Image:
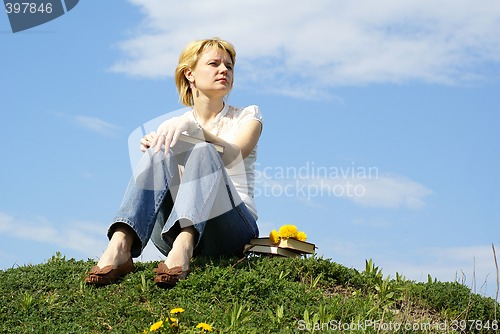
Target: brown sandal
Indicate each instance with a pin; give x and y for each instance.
(169, 277)
(107, 275)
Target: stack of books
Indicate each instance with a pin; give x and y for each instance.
(287, 247)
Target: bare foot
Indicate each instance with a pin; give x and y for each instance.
(118, 250)
(182, 249)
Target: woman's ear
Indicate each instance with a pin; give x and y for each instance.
(188, 73)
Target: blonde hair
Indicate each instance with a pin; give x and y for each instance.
(188, 60)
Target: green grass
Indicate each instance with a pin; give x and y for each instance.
(257, 295)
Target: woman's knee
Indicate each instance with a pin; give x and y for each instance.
(204, 155)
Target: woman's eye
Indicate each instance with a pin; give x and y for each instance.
(216, 64)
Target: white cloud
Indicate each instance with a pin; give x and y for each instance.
(473, 266)
(87, 238)
(97, 125)
(391, 192)
(476, 260)
(303, 48)
(90, 123)
(361, 185)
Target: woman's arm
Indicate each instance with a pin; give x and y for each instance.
(170, 130)
(245, 141)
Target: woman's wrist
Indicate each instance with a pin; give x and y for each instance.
(194, 128)
(197, 131)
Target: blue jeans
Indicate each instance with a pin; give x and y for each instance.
(158, 203)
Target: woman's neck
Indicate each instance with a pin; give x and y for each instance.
(206, 110)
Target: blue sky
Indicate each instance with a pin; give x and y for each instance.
(396, 102)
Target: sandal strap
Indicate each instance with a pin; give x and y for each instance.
(108, 274)
(168, 277)
(164, 270)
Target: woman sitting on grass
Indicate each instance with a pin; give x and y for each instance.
(205, 207)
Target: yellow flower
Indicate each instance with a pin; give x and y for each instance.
(274, 237)
(301, 236)
(176, 310)
(204, 326)
(174, 321)
(288, 231)
(156, 326)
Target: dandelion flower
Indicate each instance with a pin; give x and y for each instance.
(204, 326)
(156, 326)
(274, 237)
(176, 310)
(174, 321)
(288, 231)
(301, 236)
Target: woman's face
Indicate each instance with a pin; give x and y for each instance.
(213, 74)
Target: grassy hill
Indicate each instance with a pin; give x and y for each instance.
(256, 295)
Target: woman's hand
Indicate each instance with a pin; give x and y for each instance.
(147, 140)
(169, 131)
